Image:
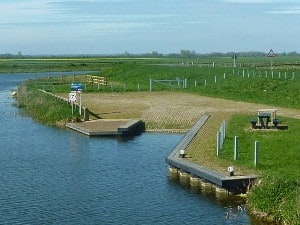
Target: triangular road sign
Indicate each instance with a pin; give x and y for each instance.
(271, 53)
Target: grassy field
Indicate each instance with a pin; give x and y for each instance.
(259, 85)
(278, 192)
(279, 163)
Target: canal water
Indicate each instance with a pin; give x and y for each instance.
(57, 176)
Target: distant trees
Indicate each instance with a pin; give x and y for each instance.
(154, 54)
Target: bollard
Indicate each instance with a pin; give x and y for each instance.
(230, 169)
(181, 153)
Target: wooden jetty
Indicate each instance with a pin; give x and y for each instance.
(185, 169)
(109, 127)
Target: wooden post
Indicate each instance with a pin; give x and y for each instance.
(150, 81)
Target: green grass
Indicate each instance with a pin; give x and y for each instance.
(279, 163)
(258, 88)
(44, 108)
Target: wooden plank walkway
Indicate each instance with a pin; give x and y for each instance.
(109, 127)
(234, 184)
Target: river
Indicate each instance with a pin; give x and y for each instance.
(57, 176)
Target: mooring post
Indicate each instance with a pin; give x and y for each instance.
(236, 146)
(256, 152)
(218, 143)
(224, 129)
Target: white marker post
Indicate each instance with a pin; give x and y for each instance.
(236, 147)
(256, 152)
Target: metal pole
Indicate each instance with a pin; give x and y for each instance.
(80, 106)
(218, 143)
(224, 129)
(72, 108)
(236, 146)
(256, 152)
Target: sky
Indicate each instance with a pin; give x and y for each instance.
(42, 27)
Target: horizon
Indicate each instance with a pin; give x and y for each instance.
(114, 27)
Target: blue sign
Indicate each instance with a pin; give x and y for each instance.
(76, 87)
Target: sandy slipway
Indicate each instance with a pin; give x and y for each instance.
(165, 110)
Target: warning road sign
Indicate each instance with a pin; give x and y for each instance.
(271, 53)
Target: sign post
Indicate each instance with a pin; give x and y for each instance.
(72, 99)
(271, 54)
(77, 88)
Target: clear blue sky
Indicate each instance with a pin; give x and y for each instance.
(140, 26)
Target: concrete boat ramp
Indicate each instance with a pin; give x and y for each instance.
(109, 127)
(201, 176)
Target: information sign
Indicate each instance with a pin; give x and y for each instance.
(76, 87)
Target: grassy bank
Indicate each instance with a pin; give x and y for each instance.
(277, 195)
(44, 108)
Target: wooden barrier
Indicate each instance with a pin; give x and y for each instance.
(96, 80)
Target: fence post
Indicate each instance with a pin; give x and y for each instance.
(236, 147)
(256, 152)
(150, 84)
